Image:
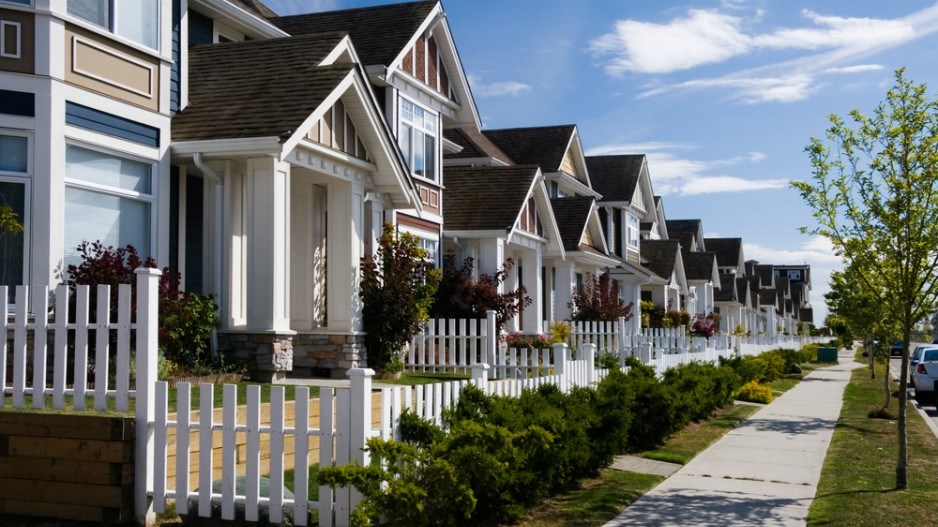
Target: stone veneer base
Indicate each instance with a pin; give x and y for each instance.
(274, 355)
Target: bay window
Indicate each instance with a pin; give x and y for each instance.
(14, 178)
(107, 198)
(136, 20)
(417, 137)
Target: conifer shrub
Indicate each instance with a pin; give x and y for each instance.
(754, 392)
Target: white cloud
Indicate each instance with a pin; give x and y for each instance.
(294, 7)
(675, 173)
(497, 89)
(829, 45)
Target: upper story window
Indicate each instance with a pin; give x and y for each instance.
(794, 274)
(136, 20)
(632, 231)
(418, 139)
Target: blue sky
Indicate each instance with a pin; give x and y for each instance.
(722, 96)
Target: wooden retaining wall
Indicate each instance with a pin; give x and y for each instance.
(75, 467)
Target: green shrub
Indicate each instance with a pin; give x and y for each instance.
(651, 405)
(754, 392)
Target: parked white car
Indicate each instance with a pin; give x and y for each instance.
(925, 373)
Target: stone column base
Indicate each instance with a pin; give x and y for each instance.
(319, 354)
(269, 355)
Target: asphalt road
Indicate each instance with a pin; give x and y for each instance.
(929, 407)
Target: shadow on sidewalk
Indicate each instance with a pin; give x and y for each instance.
(793, 427)
(681, 506)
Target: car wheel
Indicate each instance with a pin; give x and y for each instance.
(924, 398)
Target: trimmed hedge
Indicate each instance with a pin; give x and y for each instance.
(497, 456)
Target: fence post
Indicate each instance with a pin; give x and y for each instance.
(560, 363)
(620, 336)
(491, 337)
(360, 425)
(480, 376)
(646, 352)
(148, 280)
(587, 352)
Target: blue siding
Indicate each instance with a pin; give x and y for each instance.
(17, 103)
(175, 73)
(200, 29)
(84, 117)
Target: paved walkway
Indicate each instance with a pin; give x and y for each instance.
(764, 472)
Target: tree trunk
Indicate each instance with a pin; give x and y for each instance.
(871, 352)
(886, 385)
(902, 461)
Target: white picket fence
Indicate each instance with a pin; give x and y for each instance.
(452, 345)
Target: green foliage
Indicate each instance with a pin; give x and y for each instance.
(755, 392)
(651, 314)
(770, 365)
(675, 318)
(560, 332)
(186, 330)
(459, 295)
(397, 289)
(597, 299)
(9, 221)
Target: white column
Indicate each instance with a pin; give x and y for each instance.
(374, 222)
(47, 192)
(344, 249)
(533, 314)
(566, 281)
(491, 257)
(631, 293)
(268, 184)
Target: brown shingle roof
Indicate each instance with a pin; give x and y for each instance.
(379, 33)
(485, 198)
(726, 249)
(806, 314)
(544, 146)
(698, 266)
(683, 231)
(257, 88)
(727, 291)
(767, 274)
(768, 297)
(783, 287)
(742, 285)
(572, 215)
(661, 256)
(474, 145)
(615, 177)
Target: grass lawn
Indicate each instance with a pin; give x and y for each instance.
(858, 480)
(412, 379)
(684, 445)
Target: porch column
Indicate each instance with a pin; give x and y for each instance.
(675, 299)
(491, 258)
(374, 221)
(631, 293)
(533, 314)
(566, 281)
(344, 250)
(268, 229)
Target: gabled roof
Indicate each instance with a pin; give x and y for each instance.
(727, 291)
(544, 145)
(789, 306)
(486, 198)
(783, 287)
(685, 231)
(728, 250)
(755, 285)
(380, 33)
(661, 256)
(806, 314)
(699, 265)
(768, 297)
(255, 6)
(797, 293)
(751, 267)
(767, 274)
(475, 145)
(285, 85)
(573, 215)
(615, 177)
(743, 292)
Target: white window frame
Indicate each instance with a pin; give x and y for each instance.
(150, 198)
(4, 52)
(113, 26)
(424, 237)
(633, 231)
(435, 134)
(25, 179)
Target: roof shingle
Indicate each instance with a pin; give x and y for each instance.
(474, 145)
(544, 146)
(661, 256)
(726, 249)
(615, 177)
(485, 198)
(698, 265)
(572, 215)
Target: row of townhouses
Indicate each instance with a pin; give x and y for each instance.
(259, 156)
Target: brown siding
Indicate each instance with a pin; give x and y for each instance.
(102, 65)
(431, 64)
(429, 197)
(339, 117)
(421, 69)
(25, 41)
(417, 223)
(444, 81)
(409, 61)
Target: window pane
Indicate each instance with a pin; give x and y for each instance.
(419, 158)
(407, 111)
(404, 141)
(103, 169)
(139, 21)
(94, 11)
(430, 157)
(115, 221)
(13, 153)
(11, 245)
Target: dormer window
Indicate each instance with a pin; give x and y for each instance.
(137, 21)
(632, 231)
(417, 137)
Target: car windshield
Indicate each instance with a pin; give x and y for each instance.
(917, 353)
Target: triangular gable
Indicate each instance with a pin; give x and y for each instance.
(593, 233)
(542, 218)
(445, 73)
(336, 130)
(574, 161)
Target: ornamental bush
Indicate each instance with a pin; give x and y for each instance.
(597, 299)
(754, 392)
(461, 296)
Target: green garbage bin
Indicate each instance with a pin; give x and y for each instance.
(827, 354)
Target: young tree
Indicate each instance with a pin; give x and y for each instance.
(874, 195)
(462, 296)
(9, 221)
(597, 299)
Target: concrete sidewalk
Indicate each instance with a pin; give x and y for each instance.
(764, 472)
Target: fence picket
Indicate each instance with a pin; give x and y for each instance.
(80, 383)
(229, 423)
(342, 457)
(275, 510)
(60, 359)
(102, 340)
(253, 472)
(301, 454)
(326, 452)
(206, 413)
(40, 336)
(183, 410)
(123, 348)
(19, 348)
(159, 448)
(4, 317)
